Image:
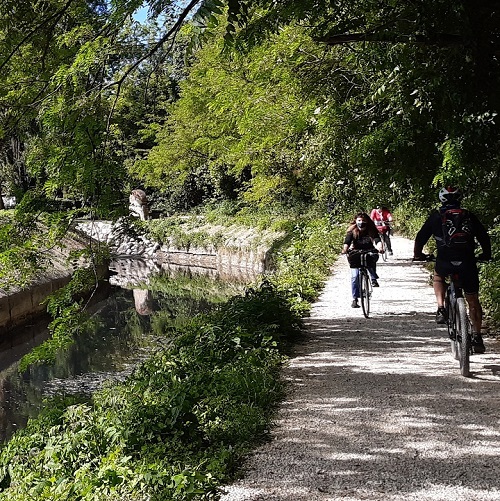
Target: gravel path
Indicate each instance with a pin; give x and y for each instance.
(377, 409)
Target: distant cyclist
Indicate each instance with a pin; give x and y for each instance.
(362, 235)
(455, 231)
(383, 219)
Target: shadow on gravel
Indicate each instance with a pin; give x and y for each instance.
(385, 415)
(388, 414)
(388, 340)
(376, 408)
(495, 369)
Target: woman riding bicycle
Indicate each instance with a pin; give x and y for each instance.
(456, 258)
(362, 235)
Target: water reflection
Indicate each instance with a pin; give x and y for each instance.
(124, 329)
(143, 299)
(13, 410)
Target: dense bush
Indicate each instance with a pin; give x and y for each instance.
(175, 427)
(303, 263)
(179, 425)
(490, 277)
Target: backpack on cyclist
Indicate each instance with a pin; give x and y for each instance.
(457, 228)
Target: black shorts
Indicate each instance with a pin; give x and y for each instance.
(468, 275)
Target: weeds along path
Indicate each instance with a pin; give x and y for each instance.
(377, 409)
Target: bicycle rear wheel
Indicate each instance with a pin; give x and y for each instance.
(463, 336)
(450, 305)
(365, 292)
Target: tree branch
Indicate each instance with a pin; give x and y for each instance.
(56, 15)
(442, 39)
(175, 28)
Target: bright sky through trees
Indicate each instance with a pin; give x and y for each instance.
(141, 14)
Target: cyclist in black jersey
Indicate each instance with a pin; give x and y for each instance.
(451, 259)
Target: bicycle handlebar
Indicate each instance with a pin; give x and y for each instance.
(424, 258)
(362, 251)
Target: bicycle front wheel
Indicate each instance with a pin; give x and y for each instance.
(365, 291)
(463, 336)
(386, 252)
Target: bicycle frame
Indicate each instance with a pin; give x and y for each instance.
(384, 236)
(457, 319)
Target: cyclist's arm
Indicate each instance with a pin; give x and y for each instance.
(482, 237)
(347, 242)
(422, 238)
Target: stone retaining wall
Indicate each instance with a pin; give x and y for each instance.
(239, 249)
(20, 305)
(238, 256)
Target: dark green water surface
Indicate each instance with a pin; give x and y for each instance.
(127, 325)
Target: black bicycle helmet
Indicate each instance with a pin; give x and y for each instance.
(449, 195)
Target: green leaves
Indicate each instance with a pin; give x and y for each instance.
(238, 118)
(180, 424)
(395, 78)
(168, 432)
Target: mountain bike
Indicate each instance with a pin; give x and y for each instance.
(363, 260)
(457, 320)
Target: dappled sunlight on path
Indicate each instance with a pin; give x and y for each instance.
(377, 409)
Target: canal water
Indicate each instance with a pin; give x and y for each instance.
(126, 326)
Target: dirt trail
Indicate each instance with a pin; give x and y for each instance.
(377, 409)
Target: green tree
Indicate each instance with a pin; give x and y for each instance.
(63, 66)
(240, 119)
(428, 74)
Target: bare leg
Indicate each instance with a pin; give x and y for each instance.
(439, 289)
(475, 312)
